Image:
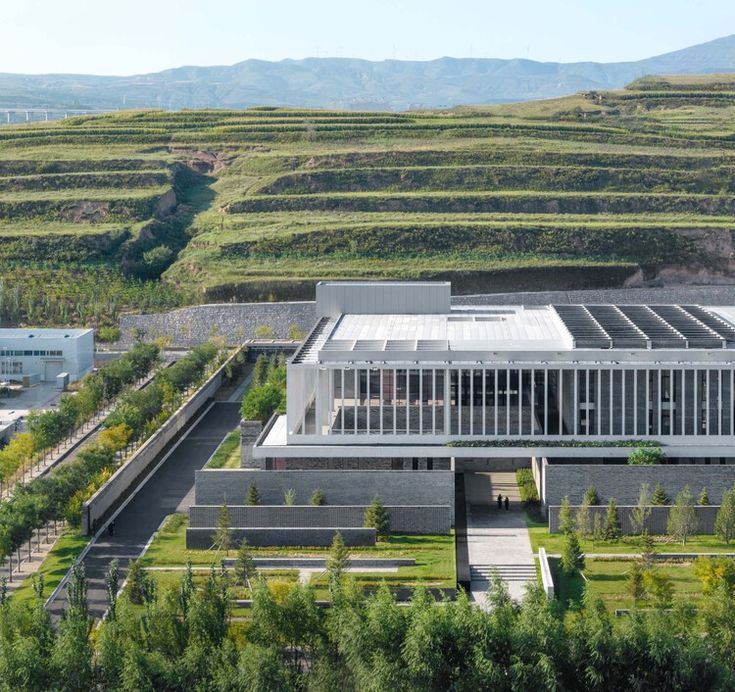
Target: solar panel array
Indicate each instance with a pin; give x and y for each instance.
(645, 326)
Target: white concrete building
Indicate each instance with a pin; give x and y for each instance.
(42, 354)
(392, 371)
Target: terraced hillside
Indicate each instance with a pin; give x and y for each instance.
(141, 210)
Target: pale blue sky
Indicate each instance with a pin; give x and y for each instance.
(134, 36)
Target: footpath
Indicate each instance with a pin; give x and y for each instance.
(497, 539)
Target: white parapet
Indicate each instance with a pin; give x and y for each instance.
(546, 579)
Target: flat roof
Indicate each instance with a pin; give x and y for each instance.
(509, 328)
(42, 333)
(466, 329)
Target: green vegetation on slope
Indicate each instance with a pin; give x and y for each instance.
(592, 190)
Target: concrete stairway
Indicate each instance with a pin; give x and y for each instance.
(520, 573)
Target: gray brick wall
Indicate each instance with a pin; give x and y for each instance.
(201, 539)
(623, 482)
(656, 523)
(220, 486)
(404, 519)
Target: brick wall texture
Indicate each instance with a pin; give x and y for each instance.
(656, 523)
(623, 482)
(229, 486)
(404, 519)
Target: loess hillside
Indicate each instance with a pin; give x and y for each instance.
(146, 210)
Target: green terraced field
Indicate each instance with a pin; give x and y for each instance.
(592, 190)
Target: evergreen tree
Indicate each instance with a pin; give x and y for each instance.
(725, 519)
(682, 521)
(222, 539)
(703, 498)
(634, 582)
(659, 496)
(660, 587)
(318, 498)
(572, 559)
(640, 514)
(141, 588)
(583, 519)
(591, 497)
(245, 570)
(338, 560)
(289, 497)
(647, 549)
(611, 530)
(252, 497)
(566, 523)
(377, 517)
(111, 586)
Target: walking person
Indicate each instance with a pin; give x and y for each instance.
(507, 503)
(500, 501)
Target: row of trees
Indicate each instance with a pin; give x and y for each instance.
(682, 521)
(46, 429)
(60, 494)
(183, 638)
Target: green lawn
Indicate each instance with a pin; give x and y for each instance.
(56, 564)
(227, 455)
(607, 579)
(434, 555)
(554, 543)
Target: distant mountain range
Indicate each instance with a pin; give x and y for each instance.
(353, 84)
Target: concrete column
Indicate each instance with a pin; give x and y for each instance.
(249, 432)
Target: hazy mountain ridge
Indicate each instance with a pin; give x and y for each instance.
(354, 83)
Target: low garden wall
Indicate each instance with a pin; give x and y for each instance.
(201, 539)
(340, 487)
(656, 523)
(623, 482)
(403, 519)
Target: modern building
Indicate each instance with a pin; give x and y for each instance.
(41, 355)
(399, 393)
(393, 372)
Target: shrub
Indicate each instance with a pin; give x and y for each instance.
(527, 486)
(108, 335)
(646, 455)
(318, 498)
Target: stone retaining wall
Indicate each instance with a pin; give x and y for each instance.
(656, 523)
(623, 482)
(196, 324)
(201, 539)
(403, 519)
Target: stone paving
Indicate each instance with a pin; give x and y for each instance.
(497, 539)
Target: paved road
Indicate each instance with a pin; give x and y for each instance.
(497, 540)
(170, 489)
